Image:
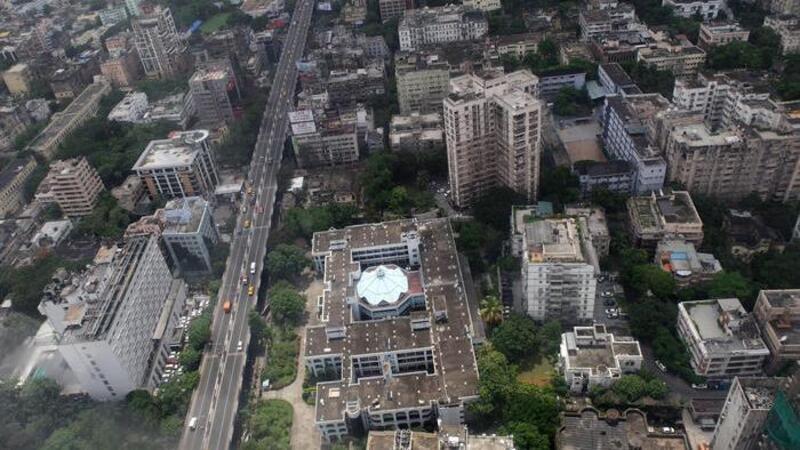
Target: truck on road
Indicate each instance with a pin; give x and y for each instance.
(226, 306)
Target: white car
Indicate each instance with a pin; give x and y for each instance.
(239, 346)
(669, 430)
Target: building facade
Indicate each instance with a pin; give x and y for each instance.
(589, 356)
(416, 132)
(75, 185)
(113, 324)
(422, 82)
(707, 9)
(664, 214)
(492, 125)
(12, 181)
(723, 339)
(318, 141)
(559, 265)
(189, 233)
(179, 166)
(450, 23)
(744, 413)
(157, 42)
(18, 79)
(389, 9)
(215, 93)
(778, 315)
(714, 34)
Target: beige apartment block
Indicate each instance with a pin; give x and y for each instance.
(12, 180)
(75, 185)
(18, 79)
(493, 130)
(422, 82)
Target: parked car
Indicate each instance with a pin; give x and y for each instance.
(661, 366)
(700, 386)
(609, 302)
(669, 430)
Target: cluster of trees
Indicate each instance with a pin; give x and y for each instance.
(759, 53)
(528, 412)
(286, 262)
(789, 84)
(572, 102)
(394, 185)
(287, 305)
(156, 89)
(653, 13)
(237, 149)
(107, 219)
(546, 61)
(270, 425)
(304, 222)
(629, 389)
(649, 79)
(519, 339)
(199, 334)
(36, 416)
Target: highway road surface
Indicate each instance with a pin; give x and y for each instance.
(215, 401)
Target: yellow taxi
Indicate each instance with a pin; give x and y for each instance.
(247, 223)
(251, 290)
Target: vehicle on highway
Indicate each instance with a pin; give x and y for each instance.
(226, 306)
(251, 290)
(253, 268)
(661, 366)
(247, 223)
(193, 423)
(239, 346)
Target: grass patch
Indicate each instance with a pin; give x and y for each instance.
(214, 23)
(281, 368)
(270, 426)
(538, 372)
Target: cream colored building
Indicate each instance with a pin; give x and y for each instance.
(422, 82)
(12, 182)
(74, 185)
(483, 5)
(493, 133)
(682, 59)
(713, 34)
(18, 79)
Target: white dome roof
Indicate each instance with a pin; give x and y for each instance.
(382, 284)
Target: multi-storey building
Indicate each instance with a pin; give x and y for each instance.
(493, 133)
(359, 85)
(215, 93)
(714, 34)
(664, 214)
(723, 339)
(396, 333)
(785, 7)
(595, 22)
(551, 83)
(189, 233)
(132, 108)
(741, 424)
(14, 120)
(389, 9)
(614, 78)
(593, 220)
(778, 315)
(707, 9)
(684, 263)
(447, 438)
(179, 166)
(123, 69)
(74, 184)
(319, 140)
(112, 324)
(63, 123)
(422, 82)
(559, 264)
(417, 133)
(628, 131)
(518, 45)
(681, 58)
(18, 79)
(619, 46)
(589, 356)
(788, 28)
(12, 181)
(450, 23)
(483, 5)
(613, 176)
(112, 15)
(157, 42)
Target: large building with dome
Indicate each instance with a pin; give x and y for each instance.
(398, 325)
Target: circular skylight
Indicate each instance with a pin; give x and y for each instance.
(382, 284)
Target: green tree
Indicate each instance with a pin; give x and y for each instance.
(107, 219)
(527, 436)
(496, 384)
(190, 358)
(534, 405)
(650, 277)
(491, 310)
(630, 387)
(270, 425)
(287, 261)
(731, 284)
(656, 388)
(559, 186)
(549, 338)
(199, 332)
(286, 303)
(515, 337)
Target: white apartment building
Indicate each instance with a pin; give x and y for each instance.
(451, 23)
(215, 93)
(663, 215)
(417, 132)
(714, 34)
(723, 339)
(483, 5)
(788, 28)
(492, 125)
(321, 142)
(628, 135)
(595, 22)
(589, 356)
(157, 42)
(707, 9)
(389, 9)
(559, 265)
(74, 184)
(132, 108)
(188, 233)
(180, 166)
(113, 324)
(422, 82)
(681, 58)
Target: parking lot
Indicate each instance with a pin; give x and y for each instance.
(194, 307)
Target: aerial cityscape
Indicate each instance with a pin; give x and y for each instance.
(400, 224)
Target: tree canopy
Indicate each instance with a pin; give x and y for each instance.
(515, 337)
(270, 425)
(287, 261)
(286, 303)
